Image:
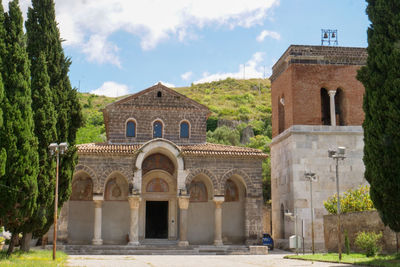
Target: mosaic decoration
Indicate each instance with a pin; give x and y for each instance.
(157, 161)
(157, 185)
(82, 189)
(116, 189)
(198, 192)
(231, 191)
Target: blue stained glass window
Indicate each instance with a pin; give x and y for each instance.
(131, 129)
(184, 130)
(157, 129)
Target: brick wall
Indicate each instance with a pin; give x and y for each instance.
(301, 73)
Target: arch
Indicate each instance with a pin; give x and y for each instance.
(184, 129)
(130, 127)
(116, 187)
(91, 173)
(82, 187)
(157, 185)
(157, 161)
(207, 173)
(325, 107)
(163, 177)
(109, 172)
(198, 191)
(244, 177)
(163, 146)
(158, 128)
(281, 114)
(231, 191)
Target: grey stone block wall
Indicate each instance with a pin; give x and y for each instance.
(305, 148)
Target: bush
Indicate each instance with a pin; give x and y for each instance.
(224, 135)
(369, 242)
(351, 201)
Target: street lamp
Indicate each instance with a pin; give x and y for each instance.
(336, 155)
(312, 178)
(56, 149)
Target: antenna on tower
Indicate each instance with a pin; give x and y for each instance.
(329, 37)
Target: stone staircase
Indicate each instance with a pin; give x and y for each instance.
(152, 248)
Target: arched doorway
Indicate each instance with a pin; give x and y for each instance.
(158, 212)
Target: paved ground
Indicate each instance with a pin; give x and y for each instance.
(275, 259)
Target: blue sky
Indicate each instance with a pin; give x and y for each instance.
(124, 46)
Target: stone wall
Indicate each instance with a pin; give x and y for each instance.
(368, 221)
(267, 219)
(302, 148)
(156, 103)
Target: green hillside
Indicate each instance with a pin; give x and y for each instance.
(235, 105)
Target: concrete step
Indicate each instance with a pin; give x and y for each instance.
(154, 250)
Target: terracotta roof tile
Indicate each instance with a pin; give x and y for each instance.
(206, 149)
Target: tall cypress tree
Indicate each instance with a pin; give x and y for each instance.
(3, 155)
(45, 130)
(44, 37)
(381, 79)
(17, 203)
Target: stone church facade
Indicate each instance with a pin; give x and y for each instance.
(316, 106)
(156, 177)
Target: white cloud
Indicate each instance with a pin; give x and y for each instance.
(265, 33)
(170, 85)
(111, 89)
(88, 24)
(187, 75)
(252, 69)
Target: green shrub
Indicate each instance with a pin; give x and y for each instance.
(369, 242)
(224, 135)
(351, 201)
(347, 242)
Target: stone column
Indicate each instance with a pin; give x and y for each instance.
(218, 220)
(98, 201)
(183, 209)
(134, 202)
(332, 94)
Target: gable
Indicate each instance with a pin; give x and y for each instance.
(158, 97)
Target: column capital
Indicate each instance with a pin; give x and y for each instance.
(98, 200)
(332, 93)
(183, 202)
(134, 201)
(218, 200)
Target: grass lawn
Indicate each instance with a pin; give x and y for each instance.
(354, 258)
(34, 258)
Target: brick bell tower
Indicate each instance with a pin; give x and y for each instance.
(316, 105)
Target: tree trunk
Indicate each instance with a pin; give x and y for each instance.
(13, 240)
(26, 242)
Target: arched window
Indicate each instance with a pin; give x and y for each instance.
(157, 129)
(325, 107)
(281, 114)
(130, 129)
(184, 130)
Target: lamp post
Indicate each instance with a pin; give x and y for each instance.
(312, 178)
(336, 155)
(56, 149)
